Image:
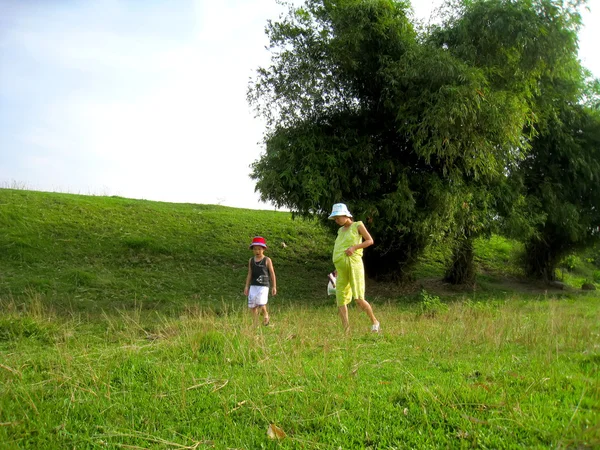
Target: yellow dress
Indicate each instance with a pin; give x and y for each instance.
(350, 269)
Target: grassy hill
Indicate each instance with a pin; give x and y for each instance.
(123, 325)
(97, 252)
(92, 253)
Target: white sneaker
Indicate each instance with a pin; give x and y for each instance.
(375, 327)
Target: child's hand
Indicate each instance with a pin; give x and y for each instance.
(349, 251)
(273, 290)
(246, 291)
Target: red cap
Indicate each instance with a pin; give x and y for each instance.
(259, 240)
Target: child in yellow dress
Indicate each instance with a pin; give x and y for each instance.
(352, 238)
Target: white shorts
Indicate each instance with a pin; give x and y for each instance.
(258, 296)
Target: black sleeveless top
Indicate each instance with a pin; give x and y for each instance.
(260, 272)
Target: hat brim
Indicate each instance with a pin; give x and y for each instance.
(333, 216)
(257, 244)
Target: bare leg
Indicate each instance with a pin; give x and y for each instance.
(255, 316)
(265, 314)
(343, 312)
(366, 307)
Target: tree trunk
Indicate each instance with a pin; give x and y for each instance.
(395, 260)
(541, 260)
(461, 270)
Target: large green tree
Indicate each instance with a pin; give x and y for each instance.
(558, 178)
(362, 109)
(561, 177)
(519, 45)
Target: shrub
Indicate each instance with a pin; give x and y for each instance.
(430, 305)
(570, 262)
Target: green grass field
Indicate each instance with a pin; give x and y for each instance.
(123, 325)
(93, 253)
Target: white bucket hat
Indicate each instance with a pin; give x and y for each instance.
(339, 209)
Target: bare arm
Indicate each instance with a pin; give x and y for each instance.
(248, 278)
(367, 240)
(272, 277)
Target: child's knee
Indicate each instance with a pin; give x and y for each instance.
(362, 303)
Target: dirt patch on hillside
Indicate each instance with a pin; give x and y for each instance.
(487, 285)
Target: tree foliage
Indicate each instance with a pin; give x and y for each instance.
(404, 127)
(561, 177)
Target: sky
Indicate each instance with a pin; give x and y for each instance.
(144, 99)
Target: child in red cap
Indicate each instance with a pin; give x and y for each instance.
(261, 276)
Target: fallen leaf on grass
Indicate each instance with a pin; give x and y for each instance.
(217, 384)
(239, 405)
(10, 369)
(221, 386)
(274, 432)
(297, 388)
(196, 386)
(462, 434)
(517, 409)
(475, 420)
(9, 424)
